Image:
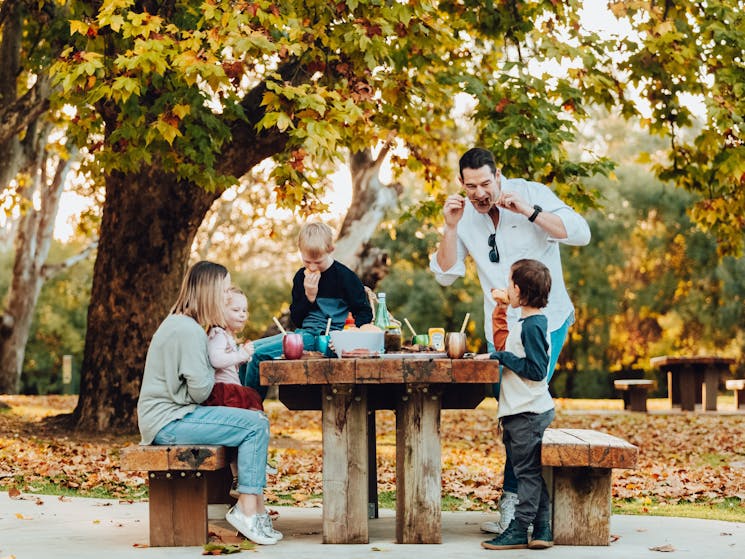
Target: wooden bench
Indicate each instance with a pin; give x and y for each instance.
(738, 385)
(637, 391)
(182, 480)
(577, 466)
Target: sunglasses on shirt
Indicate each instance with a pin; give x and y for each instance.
(493, 253)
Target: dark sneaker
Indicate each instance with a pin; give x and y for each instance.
(514, 537)
(542, 537)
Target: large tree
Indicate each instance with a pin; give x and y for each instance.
(182, 98)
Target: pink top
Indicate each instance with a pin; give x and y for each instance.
(225, 355)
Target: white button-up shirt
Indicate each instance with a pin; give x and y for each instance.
(516, 238)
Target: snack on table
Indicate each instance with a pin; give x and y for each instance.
(500, 295)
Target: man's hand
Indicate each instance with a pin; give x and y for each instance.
(453, 209)
(310, 283)
(514, 203)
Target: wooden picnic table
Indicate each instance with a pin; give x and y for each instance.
(417, 386)
(693, 380)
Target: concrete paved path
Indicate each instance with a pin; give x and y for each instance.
(41, 527)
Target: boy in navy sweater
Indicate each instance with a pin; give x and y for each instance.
(526, 408)
(323, 288)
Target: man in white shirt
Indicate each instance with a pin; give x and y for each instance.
(499, 222)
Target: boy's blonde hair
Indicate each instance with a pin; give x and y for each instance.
(316, 240)
(201, 295)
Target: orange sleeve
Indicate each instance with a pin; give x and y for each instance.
(499, 327)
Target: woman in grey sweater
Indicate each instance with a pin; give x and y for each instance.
(178, 378)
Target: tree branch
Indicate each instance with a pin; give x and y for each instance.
(48, 271)
(17, 116)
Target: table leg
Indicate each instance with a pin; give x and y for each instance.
(687, 377)
(344, 409)
(418, 466)
(709, 390)
(372, 466)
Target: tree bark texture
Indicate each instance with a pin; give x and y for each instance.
(32, 241)
(371, 200)
(149, 221)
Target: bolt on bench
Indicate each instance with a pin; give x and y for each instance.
(577, 466)
(183, 480)
(637, 390)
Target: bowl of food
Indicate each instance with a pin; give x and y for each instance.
(360, 342)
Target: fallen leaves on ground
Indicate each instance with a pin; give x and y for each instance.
(682, 456)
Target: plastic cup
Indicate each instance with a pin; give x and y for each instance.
(292, 345)
(322, 344)
(421, 340)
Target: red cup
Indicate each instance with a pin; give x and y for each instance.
(292, 345)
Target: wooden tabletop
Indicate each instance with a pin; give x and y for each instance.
(419, 369)
(667, 360)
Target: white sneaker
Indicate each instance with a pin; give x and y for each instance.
(506, 514)
(250, 526)
(266, 524)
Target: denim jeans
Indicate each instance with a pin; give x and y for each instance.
(558, 337)
(523, 434)
(248, 430)
(266, 349)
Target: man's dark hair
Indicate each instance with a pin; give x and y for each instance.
(534, 281)
(475, 158)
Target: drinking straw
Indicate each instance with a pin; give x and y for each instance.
(328, 326)
(465, 321)
(274, 318)
(406, 320)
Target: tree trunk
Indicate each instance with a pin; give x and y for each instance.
(32, 241)
(371, 200)
(149, 222)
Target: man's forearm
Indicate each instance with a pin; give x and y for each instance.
(551, 224)
(447, 252)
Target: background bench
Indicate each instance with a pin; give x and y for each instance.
(637, 390)
(738, 385)
(182, 480)
(577, 469)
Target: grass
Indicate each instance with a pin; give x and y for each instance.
(730, 510)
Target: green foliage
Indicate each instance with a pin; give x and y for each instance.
(268, 296)
(58, 327)
(696, 48)
(650, 282)
(412, 292)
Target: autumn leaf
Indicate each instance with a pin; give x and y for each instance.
(13, 493)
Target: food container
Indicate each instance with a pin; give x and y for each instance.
(437, 338)
(350, 340)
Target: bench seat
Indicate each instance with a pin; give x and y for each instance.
(637, 390)
(738, 386)
(183, 480)
(577, 466)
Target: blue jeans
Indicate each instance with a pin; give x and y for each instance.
(266, 349)
(558, 337)
(247, 430)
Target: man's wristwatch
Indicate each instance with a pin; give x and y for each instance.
(538, 210)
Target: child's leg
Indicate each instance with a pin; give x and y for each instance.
(523, 432)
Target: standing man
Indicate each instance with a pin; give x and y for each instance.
(499, 222)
